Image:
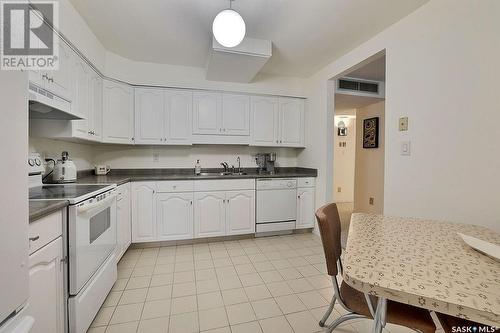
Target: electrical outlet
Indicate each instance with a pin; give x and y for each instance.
(403, 124)
(339, 189)
(156, 157)
(371, 200)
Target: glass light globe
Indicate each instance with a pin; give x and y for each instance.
(229, 28)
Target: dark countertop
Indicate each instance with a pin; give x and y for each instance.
(122, 176)
(39, 209)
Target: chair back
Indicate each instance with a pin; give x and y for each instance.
(329, 228)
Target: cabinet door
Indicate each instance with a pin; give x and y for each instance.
(81, 101)
(96, 107)
(60, 80)
(149, 110)
(118, 113)
(240, 212)
(292, 122)
(175, 216)
(143, 212)
(178, 116)
(207, 109)
(46, 302)
(305, 207)
(235, 114)
(209, 214)
(264, 121)
(123, 220)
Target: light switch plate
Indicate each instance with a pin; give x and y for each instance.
(406, 148)
(403, 124)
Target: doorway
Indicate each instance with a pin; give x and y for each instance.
(359, 140)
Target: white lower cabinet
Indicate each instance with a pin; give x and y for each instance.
(144, 212)
(46, 282)
(123, 220)
(240, 212)
(305, 207)
(209, 214)
(174, 216)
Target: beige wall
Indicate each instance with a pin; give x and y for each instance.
(442, 71)
(369, 174)
(343, 168)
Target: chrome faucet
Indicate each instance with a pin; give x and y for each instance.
(225, 166)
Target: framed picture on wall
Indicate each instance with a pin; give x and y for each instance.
(370, 133)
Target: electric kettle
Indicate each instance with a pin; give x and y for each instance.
(64, 170)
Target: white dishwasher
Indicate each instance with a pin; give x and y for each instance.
(276, 205)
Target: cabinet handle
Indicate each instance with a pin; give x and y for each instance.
(64, 260)
(32, 239)
(45, 76)
(298, 196)
(191, 202)
(220, 129)
(50, 79)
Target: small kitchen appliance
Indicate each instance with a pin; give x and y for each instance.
(64, 170)
(101, 170)
(265, 162)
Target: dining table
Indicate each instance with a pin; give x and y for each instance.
(424, 263)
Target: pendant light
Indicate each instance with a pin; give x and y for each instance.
(228, 27)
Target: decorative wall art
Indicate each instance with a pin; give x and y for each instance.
(370, 133)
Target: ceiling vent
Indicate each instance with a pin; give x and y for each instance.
(240, 63)
(359, 87)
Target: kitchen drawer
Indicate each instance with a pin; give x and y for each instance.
(306, 182)
(175, 186)
(45, 230)
(224, 185)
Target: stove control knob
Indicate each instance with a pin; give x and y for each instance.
(31, 162)
(38, 162)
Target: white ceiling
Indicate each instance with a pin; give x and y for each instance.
(375, 70)
(306, 34)
(344, 102)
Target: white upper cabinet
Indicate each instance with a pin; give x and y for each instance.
(81, 102)
(240, 212)
(277, 121)
(178, 116)
(235, 114)
(175, 216)
(118, 113)
(264, 121)
(209, 214)
(143, 211)
(96, 107)
(292, 122)
(149, 115)
(59, 81)
(207, 112)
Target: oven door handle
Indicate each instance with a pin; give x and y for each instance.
(102, 203)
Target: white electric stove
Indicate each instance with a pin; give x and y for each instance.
(90, 235)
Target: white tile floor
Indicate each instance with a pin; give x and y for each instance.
(269, 285)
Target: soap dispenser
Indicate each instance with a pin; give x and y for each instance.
(197, 168)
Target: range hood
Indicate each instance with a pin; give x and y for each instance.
(45, 105)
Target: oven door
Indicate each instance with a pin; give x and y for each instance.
(92, 238)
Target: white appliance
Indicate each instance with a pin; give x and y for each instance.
(14, 252)
(45, 105)
(101, 170)
(64, 170)
(276, 205)
(91, 243)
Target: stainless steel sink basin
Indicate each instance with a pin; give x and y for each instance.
(222, 174)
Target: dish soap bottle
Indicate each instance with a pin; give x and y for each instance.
(197, 168)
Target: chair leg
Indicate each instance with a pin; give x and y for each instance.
(344, 318)
(328, 312)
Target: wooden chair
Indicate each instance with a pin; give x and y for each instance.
(357, 304)
(449, 322)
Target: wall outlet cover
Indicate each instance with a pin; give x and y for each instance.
(405, 148)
